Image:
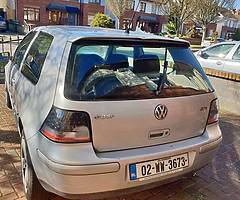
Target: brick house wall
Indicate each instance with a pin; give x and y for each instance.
(85, 9)
(159, 18)
(90, 9)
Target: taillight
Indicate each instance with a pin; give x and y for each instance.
(213, 112)
(67, 126)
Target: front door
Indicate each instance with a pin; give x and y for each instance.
(214, 57)
(72, 19)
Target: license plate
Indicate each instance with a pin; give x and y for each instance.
(160, 166)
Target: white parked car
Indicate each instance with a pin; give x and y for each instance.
(224, 56)
(101, 112)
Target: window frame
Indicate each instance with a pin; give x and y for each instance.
(26, 68)
(21, 45)
(94, 1)
(217, 46)
(100, 41)
(143, 6)
(237, 50)
(35, 10)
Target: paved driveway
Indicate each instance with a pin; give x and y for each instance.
(218, 181)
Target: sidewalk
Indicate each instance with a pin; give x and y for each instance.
(218, 181)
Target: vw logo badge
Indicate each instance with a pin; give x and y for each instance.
(160, 112)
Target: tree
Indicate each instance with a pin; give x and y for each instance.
(237, 35)
(118, 8)
(101, 20)
(179, 11)
(208, 10)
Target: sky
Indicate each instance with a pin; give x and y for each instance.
(238, 4)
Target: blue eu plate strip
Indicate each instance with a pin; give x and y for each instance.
(133, 172)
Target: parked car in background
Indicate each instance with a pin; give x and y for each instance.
(101, 112)
(224, 56)
(208, 41)
(3, 24)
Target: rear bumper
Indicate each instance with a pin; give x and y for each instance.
(75, 169)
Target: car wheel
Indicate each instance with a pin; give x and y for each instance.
(8, 101)
(32, 187)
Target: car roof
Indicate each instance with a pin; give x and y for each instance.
(73, 33)
(228, 42)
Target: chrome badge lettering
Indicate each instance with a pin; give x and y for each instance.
(108, 116)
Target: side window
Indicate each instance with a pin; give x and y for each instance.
(36, 56)
(236, 55)
(219, 51)
(22, 48)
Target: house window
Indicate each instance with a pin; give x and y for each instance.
(90, 18)
(94, 1)
(156, 9)
(54, 16)
(132, 5)
(143, 6)
(32, 14)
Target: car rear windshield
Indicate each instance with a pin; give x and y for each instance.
(130, 70)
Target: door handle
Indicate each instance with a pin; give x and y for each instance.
(219, 63)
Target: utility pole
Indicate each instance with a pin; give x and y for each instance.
(80, 13)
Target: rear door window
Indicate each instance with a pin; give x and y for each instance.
(36, 56)
(236, 55)
(219, 51)
(22, 48)
(133, 71)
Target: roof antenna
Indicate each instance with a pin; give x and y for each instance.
(131, 21)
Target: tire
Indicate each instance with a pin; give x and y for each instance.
(31, 185)
(8, 101)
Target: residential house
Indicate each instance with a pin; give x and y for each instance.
(225, 24)
(146, 15)
(57, 12)
(7, 9)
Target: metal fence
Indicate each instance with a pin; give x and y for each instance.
(9, 43)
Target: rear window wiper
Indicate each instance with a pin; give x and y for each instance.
(162, 77)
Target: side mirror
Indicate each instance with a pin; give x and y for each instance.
(203, 54)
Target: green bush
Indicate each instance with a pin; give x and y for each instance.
(171, 29)
(101, 20)
(237, 35)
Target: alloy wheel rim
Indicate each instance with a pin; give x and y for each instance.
(24, 166)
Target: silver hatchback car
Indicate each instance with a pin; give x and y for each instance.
(102, 112)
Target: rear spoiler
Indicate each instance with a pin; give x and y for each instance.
(132, 41)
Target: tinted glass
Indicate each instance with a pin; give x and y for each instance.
(219, 51)
(132, 72)
(236, 55)
(22, 48)
(37, 54)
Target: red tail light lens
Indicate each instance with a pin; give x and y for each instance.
(67, 126)
(213, 112)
